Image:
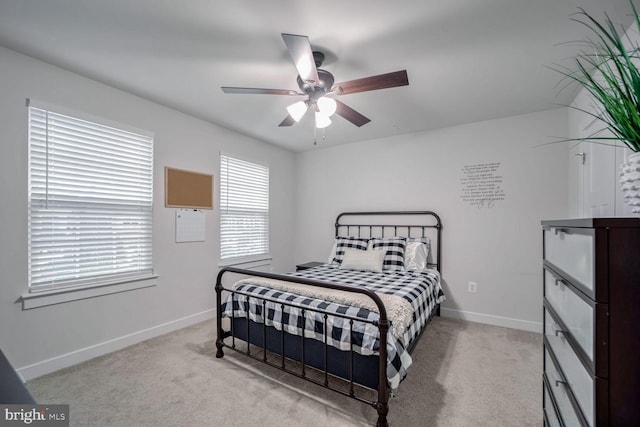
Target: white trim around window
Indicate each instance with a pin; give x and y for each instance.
(90, 208)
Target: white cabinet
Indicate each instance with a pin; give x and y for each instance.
(595, 181)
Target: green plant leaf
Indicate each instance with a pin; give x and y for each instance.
(607, 70)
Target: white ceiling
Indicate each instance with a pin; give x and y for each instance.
(467, 60)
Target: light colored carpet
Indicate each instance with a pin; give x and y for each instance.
(464, 374)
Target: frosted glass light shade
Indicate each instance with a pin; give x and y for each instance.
(327, 106)
(322, 120)
(297, 110)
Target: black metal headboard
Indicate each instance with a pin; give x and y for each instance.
(395, 223)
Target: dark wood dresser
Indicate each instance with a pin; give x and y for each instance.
(591, 322)
(308, 265)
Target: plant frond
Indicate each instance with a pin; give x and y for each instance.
(607, 70)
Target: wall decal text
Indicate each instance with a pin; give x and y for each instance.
(481, 185)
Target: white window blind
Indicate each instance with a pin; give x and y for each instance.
(244, 209)
(90, 202)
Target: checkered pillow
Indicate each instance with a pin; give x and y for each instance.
(395, 247)
(348, 242)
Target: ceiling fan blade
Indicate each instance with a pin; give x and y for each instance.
(288, 121)
(350, 114)
(251, 90)
(381, 81)
(300, 51)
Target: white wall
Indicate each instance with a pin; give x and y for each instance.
(499, 248)
(46, 338)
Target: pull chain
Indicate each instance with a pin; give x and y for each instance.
(315, 135)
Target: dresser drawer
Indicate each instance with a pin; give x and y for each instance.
(577, 315)
(572, 251)
(578, 379)
(550, 415)
(558, 390)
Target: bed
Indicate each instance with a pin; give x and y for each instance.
(350, 322)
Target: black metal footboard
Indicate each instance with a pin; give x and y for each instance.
(264, 336)
(342, 364)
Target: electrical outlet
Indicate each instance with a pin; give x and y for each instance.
(472, 287)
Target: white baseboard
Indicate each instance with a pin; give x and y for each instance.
(44, 367)
(65, 360)
(506, 322)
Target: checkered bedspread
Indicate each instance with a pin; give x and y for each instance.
(422, 290)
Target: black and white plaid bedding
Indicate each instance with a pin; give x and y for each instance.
(422, 290)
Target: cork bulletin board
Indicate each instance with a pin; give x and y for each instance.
(186, 189)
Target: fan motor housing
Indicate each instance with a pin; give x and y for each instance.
(319, 89)
(325, 84)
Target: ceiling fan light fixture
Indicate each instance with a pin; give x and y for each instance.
(322, 120)
(327, 106)
(297, 110)
(319, 87)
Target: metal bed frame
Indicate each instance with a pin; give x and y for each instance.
(319, 355)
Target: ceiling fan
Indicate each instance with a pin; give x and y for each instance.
(318, 85)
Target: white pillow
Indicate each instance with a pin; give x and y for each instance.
(370, 260)
(415, 256)
(426, 240)
(332, 254)
(334, 248)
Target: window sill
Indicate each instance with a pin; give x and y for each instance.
(247, 262)
(58, 296)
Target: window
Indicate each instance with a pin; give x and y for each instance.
(90, 202)
(244, 210)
